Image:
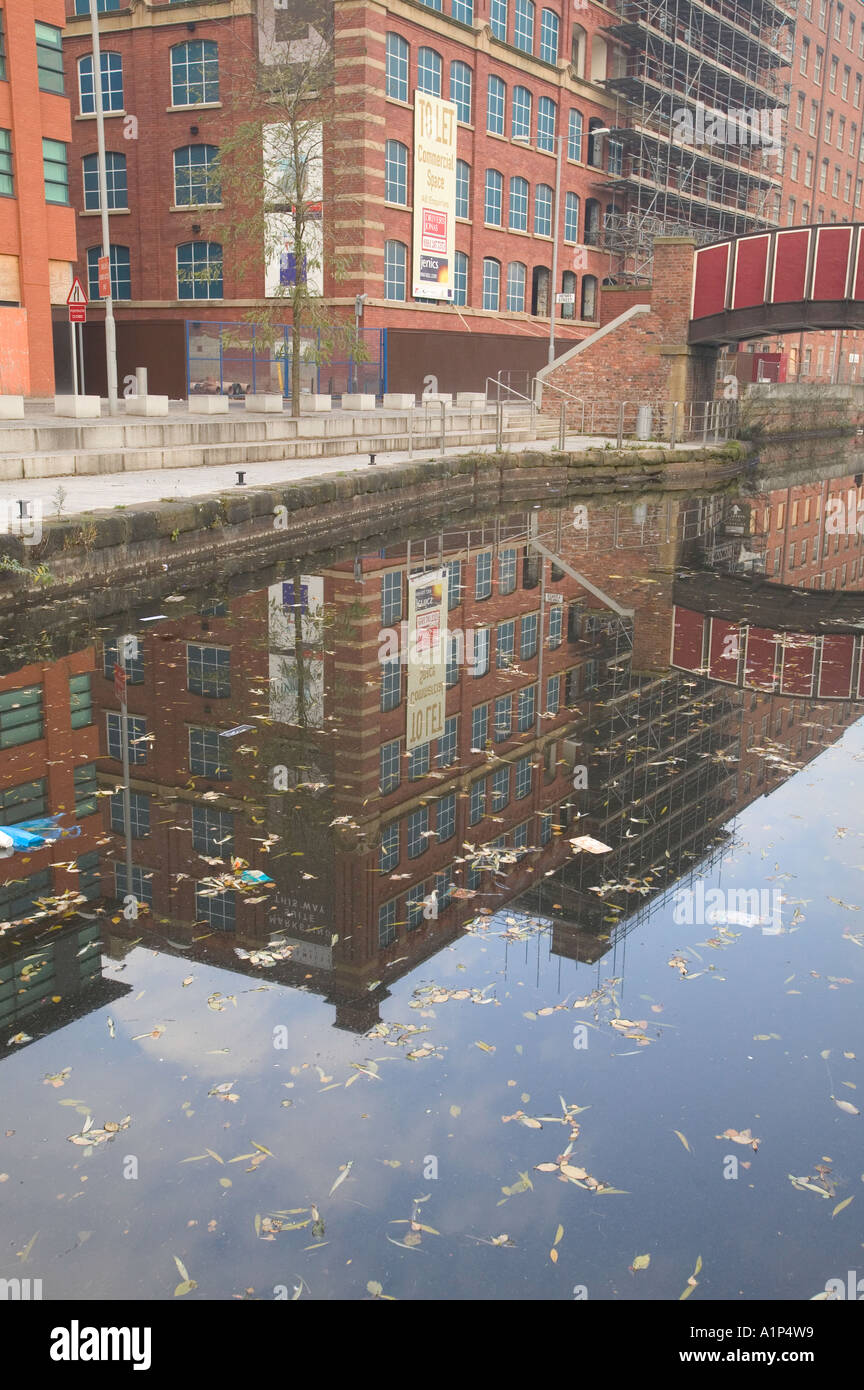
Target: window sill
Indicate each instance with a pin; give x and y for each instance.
(91, 115)
(97, 212)
(197, 106)
(195, 207)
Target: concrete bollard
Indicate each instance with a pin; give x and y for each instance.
(79, 407)
(264, 402)
(208, 405)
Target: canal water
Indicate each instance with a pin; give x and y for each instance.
(522, 959)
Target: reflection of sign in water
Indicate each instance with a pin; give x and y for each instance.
(427, 649)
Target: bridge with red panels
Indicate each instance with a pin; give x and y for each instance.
(787, 280)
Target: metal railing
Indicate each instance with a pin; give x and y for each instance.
(500, 402)
(671, 422)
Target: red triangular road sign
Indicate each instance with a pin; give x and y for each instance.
(77, 294)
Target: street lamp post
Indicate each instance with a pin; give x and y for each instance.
(524, 140)
(110, 334)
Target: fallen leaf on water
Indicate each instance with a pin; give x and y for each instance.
(342, 1176)
(740, 1136)
(683, 1140)
(841, 1205)
(692, 1282)
(484, 1046)
(640, 1262)
(846, 1105)
(455, 1110)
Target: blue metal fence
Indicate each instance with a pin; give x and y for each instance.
(230, 359)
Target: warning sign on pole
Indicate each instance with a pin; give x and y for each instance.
(77, 294)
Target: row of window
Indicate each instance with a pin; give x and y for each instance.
(208, 668)
(209, 754)
(194, 67)
(196, 178)
(21, 711)
(199, 271)
(515, 299)
(217, 910)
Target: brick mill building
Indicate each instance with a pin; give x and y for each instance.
(37, 224)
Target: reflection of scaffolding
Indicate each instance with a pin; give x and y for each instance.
(678, 167)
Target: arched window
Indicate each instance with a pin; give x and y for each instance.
(196, 176)
(498, 19)
(589, 297)
(396, 67)
(496, 105)
(121, 277)
(594, 156)
(574, 135)
(460, 90)
(518, 204)
(494, 192)
(520, 127)
(598, 58)
(546, 112)
(491, 283)
(543, 210)
(395, 269)
(429, 71)
(540, 290)
(568, 287)
(523, 27)
(571, 217)
(516, 277)
(115, 181)
(592, 222)
(199, 270)
(111, 65)
(194, 73)
(549, 26)
(463, 189)
(460, 279)
(396, 172)
(578, 48)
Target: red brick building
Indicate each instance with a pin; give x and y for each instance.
(37, 225)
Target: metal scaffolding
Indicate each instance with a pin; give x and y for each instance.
(698, 123)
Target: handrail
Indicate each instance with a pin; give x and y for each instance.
(499, 408)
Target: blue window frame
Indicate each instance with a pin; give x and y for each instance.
(505, 648)
(491, 283)
(139, 814)
(194, 73)
(500, 788)
(391, 597)
(419, 762)
(416, 901)
(463, 189)
(444, 888)
(83, 6)
(196, 177)
(387, 922)
(546, 112)
(142, 883)
(89, 880)
(388, 857)
(523, 26)
(482, 642)
(574, 135)
(218, 910)
(115, 181)
(543, 210)
(520, 127)
(451, 675)
(391, 684)
(208, 755)
(496, 105)
(429, 69)
(389, 775)
(527, 708)
(396, 172)
(498, 19)
(483, 575)
(528, 636)
(479, 727)
(446, 819)
(477, 801)
(506, 571)
(208, 671)
(7, 168)
(21, 716)
(517, 275)
(85, 789)
(461, 77)
(549, 26)
(556, 625)
(137, 731)
(614, 157)
(546, 820)
(134, 663)
(448, 743)
(493, 197)
(571, 217)
(518, 204)
(553, 694)
(503, 717)
(121, 272)
(460, 286)
(416, 826)
(523, 777)
(454, 583)
(212, 831)
(395, 269)
(396, 67)
(55, 170)
(199, 270)
(463, 10)
(23, 802)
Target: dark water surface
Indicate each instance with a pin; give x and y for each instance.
(528, 1093)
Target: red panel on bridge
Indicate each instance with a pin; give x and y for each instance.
(687, 632)
(723, 651)
(798, 658)
(751, 262)
(789, 277)
(759, 660)
(832, 260)
(858, 287)
(835, 674)
(709, 280)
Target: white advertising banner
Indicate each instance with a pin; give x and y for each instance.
(426, 657)
(434, 252)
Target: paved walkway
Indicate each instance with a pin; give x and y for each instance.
(104, 491)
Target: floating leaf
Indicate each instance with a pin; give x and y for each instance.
(683, 1140)
(841, 1205)
(455, 1110)
(846, 1106)
(559, 1235)
(341, 1178)
(641, 1262)
(484, 1046)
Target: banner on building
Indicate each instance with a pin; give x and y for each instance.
(434, 252)
(426, 657)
